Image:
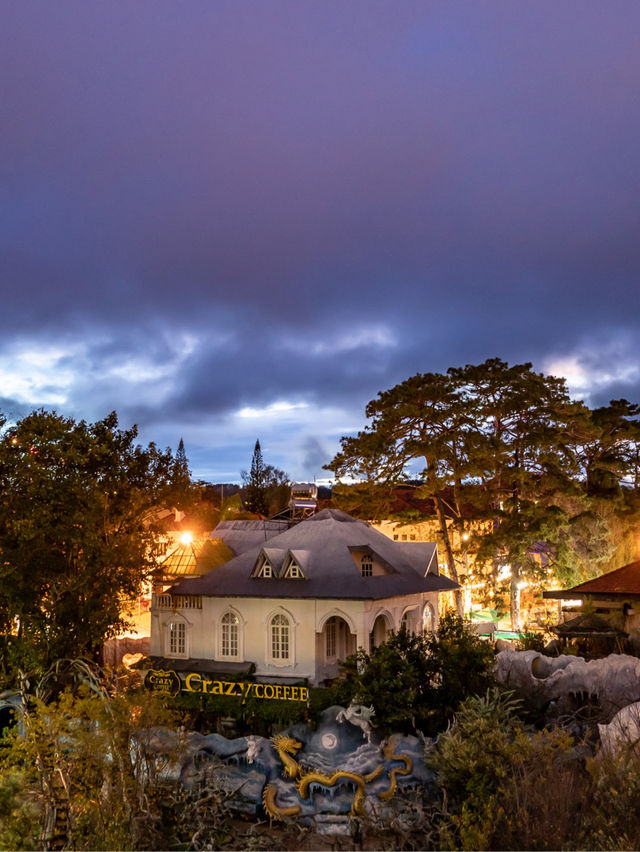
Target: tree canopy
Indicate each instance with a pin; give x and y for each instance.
(76, 528)
(531, 458)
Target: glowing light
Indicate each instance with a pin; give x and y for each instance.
(186, 538)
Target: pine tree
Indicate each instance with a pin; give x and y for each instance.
(513, 438)
(181, 459)
(183, 491)
(256, 486)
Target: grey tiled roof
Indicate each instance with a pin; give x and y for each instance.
(244, 535)
(328, 539)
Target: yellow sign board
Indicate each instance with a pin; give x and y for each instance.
(195, 682)
(168, 683)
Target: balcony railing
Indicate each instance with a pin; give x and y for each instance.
(177, 602)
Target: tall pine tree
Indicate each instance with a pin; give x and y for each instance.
(255, 484)
(508, 435)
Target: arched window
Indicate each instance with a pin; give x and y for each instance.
(229, 635)
(366, 565)
(427, 619)
(409, 620)
(280, 638)
(330, 637)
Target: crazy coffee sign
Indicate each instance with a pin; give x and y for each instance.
(168, 683)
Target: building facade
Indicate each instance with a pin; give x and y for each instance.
(292, 606)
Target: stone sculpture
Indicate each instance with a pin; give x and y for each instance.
(340, 768)
(564, 683)
(623, 732)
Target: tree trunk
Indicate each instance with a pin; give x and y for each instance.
(448, 550)
(516, 618)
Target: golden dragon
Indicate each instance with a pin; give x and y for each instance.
(286, 747)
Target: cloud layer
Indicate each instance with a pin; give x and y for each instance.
(231, 221)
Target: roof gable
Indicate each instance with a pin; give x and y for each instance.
(623, 582)
(268, 562)
(322, 546)
(293, 567)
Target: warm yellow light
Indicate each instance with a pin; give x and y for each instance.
(186, 538)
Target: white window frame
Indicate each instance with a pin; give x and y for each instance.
(239, 637)
(366, 565)
(177, 638)
(294, 571)
(266, 570)
(428, 608)
(278, 659)
(330, 646)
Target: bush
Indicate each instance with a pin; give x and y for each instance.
(417, 681)
(76, 778)
(505, 785)
(531, 641)
(612, 820)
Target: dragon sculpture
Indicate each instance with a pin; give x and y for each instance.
(287, 747)
(339, 767)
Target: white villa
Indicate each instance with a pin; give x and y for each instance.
(296, 600)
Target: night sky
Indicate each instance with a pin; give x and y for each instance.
(240, 220)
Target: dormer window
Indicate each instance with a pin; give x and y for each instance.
(366, 565)
(265, 569)
(293, 570)
(269, 563)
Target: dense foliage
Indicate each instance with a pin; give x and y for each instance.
(76, 533)
(79, 778)
(417, 681)
(506, 448)
(83, 776)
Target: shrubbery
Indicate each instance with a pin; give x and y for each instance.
(417, 681)
(507, 786)
(76, 775)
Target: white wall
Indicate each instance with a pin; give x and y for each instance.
(306, 616)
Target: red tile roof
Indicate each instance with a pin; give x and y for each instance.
(624, 581)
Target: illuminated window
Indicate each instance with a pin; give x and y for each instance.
(330, 634)
(177, 639)
(366, 565)
(427, 619)
(280, 638)
(229, 638)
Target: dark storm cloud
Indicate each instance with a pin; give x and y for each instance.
(208, 208)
